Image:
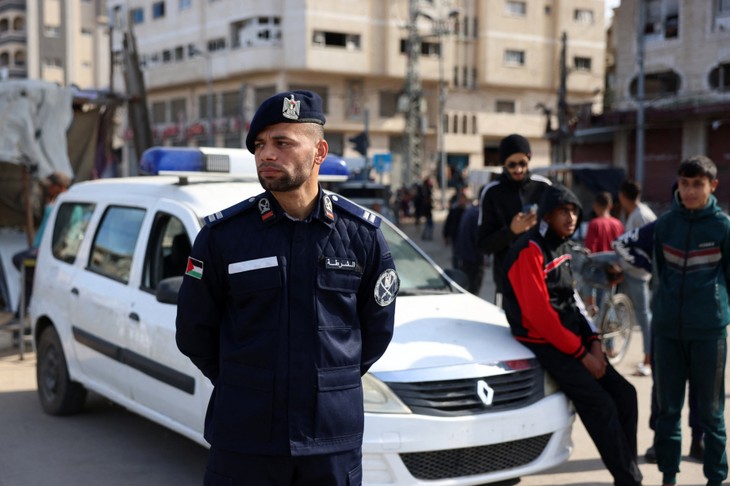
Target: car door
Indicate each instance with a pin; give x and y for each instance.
(163, 379)
(100, 299)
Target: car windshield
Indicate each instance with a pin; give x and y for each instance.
(418, 276)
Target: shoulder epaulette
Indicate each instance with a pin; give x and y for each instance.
(217, 217)
(358, 211)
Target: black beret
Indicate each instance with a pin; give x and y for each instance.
(513, 144)
(298, 106)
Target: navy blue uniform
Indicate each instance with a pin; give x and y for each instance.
(284, 316)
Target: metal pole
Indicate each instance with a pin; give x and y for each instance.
(412, 165)
(209, 101)
(640, 95)
(442, 106)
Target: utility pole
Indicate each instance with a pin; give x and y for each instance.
(561, 155)
(640, 95)
(139, 120)
(414, 137)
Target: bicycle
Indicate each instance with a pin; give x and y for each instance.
(614, 316)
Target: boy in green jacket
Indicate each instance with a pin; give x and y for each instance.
(690, 313)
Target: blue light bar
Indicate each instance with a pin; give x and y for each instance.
(334, 168)
(235, 162)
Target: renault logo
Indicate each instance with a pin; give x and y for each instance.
(486, 394)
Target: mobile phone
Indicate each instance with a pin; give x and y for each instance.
(529, 208)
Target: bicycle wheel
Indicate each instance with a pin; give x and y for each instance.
(615, 327)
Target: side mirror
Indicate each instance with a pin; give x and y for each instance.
(167, 290)
(457, 276)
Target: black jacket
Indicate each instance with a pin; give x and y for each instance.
(500, 201)
(284, 317)
(539, 295)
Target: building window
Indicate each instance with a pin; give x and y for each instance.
(428, 48)
(178, 110)
(261, 93)
(662, 19)
(158, 10)
(86, 32)
(658, 85)
(514, 58)
(166, 55)
(159, 112)
(179, 53)
(505, 106)
(583, 16)
(256, 31)
(52, 30)
(387, 104)
(518, 9)
(216, 44)
(720, 77)
(20, 58)
(184, 4)
(582, 63)
(137, 15)
(336, 39)
(203, 106)
(232, 103)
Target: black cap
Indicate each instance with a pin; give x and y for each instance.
(298, 106)
(513, 144)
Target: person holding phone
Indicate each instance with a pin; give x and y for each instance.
(508, 205)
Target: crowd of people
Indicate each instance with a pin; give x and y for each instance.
(674, 269)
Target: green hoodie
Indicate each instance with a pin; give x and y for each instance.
(691, 272)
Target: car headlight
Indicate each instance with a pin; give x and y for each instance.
(551, 386)
(379, 398)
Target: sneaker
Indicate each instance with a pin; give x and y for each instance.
(697, 449)
(643, 369)
(650, 455)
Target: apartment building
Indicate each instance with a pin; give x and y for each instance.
(686, 98)
(209, 63)
(63, 41)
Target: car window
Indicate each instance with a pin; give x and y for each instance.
(114, 242)
(69, 229)
(167, 251)
(417, 275)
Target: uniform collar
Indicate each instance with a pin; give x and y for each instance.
(270, 211)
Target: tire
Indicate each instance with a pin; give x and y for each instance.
(616, 325)
(57, 393)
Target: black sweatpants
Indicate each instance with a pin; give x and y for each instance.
(607, 407)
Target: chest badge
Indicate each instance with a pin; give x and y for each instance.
(386, 287)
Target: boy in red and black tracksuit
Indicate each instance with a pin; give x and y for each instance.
(546, 316)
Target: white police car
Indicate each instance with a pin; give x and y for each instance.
(455, 400)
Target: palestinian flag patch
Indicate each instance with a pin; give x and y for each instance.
(194, 268)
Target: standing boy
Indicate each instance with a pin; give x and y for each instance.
(545, 316)
(690, 314)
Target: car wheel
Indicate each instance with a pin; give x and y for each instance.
(57, 393)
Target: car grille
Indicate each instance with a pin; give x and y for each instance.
(460, 397)
(470, 461)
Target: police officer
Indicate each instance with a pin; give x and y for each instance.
(288, 300)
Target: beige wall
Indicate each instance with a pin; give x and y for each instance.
(380, 66)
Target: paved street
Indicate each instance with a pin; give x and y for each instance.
(108, 445)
